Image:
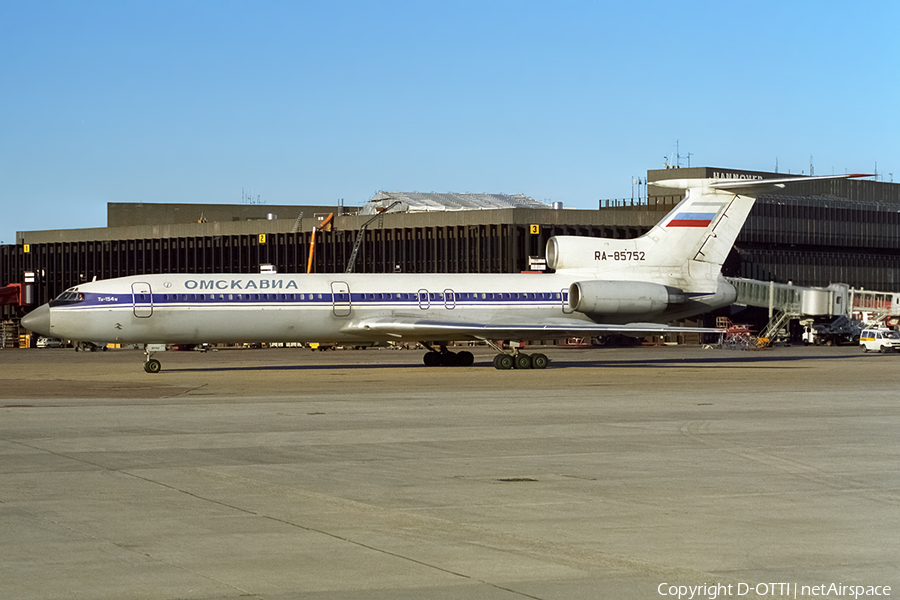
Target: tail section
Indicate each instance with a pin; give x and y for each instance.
(690, 241)
(671, 272)
(702, 227)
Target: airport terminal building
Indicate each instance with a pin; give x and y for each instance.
(845, 231)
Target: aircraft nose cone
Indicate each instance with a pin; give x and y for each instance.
(38, 320)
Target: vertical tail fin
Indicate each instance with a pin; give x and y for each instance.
(696, 236)
(714, 211)
(702, 227)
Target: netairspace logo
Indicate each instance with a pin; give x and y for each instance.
(777, 590)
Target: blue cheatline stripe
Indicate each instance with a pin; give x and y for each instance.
(694, 216)
(359, 300)
(310, 299)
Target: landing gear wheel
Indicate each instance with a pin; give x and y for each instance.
(465, 359)
(539, 361)
(503, 362)
(522, 361)
(152, 366)
(432, 359)
(448, 359)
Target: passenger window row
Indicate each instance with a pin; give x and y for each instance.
(462, 296)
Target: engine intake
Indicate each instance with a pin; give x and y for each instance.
(622, 297)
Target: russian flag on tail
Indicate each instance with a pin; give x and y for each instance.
(692, 219)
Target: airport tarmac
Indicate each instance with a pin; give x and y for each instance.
(285, 473)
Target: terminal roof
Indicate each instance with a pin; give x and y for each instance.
(421, 202)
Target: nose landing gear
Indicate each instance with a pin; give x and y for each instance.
(152, 365)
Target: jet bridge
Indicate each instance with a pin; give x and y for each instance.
(875, 308)
(786, 301)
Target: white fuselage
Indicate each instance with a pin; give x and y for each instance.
(188, 308)
(600, 286)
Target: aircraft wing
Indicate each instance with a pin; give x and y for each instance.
(431, 329)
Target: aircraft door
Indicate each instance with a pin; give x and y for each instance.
(340, 298)
(424, 299)
(142, 298)
(449, 299)
(564, 296)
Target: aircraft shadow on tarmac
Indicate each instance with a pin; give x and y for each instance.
(714, 362)
(316, 367)
(719, 362)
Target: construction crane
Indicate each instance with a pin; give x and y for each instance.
(325, 225)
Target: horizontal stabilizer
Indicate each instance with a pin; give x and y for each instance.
(747, 186)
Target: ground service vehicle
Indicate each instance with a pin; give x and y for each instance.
(882, 340)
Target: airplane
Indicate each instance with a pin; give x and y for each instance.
(599, 286)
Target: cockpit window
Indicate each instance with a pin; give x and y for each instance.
(68, 297)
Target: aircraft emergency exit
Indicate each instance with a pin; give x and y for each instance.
(600, 286)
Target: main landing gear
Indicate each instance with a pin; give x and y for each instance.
(520, 360)
(446, 358)
(503, 361)
(517, 360)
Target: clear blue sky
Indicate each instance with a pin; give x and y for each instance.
(308, 102)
